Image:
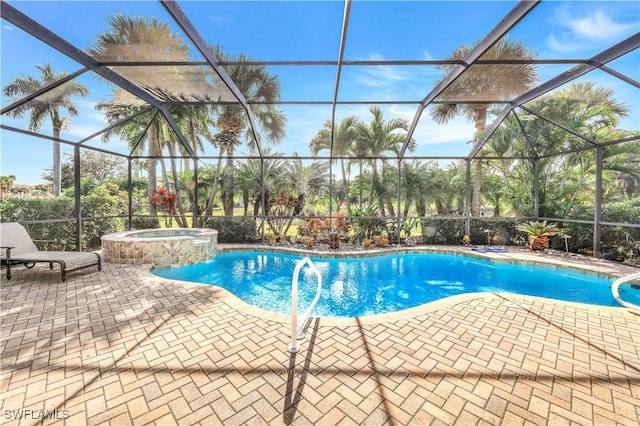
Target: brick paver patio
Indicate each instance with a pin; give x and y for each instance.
(122, 346)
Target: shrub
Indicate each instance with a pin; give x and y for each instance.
(538, 233)
(617, 242)
(503, 231)
(95, 212)
(233, 229)
(145, 222)
(308, 241)
(441, 230)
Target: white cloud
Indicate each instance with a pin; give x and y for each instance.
(580, 30)
(388, 82)
(427, 132)
(380, 75)
(599, 26)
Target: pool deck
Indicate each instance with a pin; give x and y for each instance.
(123, 346)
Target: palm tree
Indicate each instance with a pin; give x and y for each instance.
(415, 184)
(137, 39)
(446, 188)
(378, 138)
(482, 81)
(6, 184)
(256, 85)
(254, 176)
(48, 105)
(538, 233)
(593, 112)
(310, 180)
(386, 188)
(344, 138)
(193, 121)
(223, 147)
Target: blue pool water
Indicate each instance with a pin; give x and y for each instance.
(388, 283)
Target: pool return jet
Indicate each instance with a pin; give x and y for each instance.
(297, 330)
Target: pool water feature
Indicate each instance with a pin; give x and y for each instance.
(362, 286)
(160, 247)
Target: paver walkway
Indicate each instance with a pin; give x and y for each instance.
(122, 346)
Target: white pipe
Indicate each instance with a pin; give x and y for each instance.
(616, 293)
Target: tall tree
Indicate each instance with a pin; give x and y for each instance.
(46, 105)
(255, 176)
(380, 137)
(344, 139)
(6, 184)
(138, 39)
(415, 185)
(564, 180)
(257, 85)
(500, 81)
(309, 180)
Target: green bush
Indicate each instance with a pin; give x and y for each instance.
(145, 222)
(238, 229)
(442, 230)
(617, 242)
(450, 230)
(95, 212)
(94, 224)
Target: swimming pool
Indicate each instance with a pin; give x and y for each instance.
(387, 283)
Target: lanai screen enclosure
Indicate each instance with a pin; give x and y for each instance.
(431, 119)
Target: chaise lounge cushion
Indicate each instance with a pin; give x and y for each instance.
(18, 247)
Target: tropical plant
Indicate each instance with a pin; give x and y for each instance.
(414, 185)
(539, 233)
(408, 224)
(255, 178)
(6, 184)
(564, 181)
(378, 138)
(166, 202)
(138, 39)
(493, 190)
(310, 179)
(340, 141)
(259, 86)
(366, 222)
(281, 211)
(482, 81)
(46, 105)
(446, 189)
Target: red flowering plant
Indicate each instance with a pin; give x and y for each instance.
(164, 201)
(281, 211)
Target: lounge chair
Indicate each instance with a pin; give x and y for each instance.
(18, 247)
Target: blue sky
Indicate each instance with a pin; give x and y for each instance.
(310, 31)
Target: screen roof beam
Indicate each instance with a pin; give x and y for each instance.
(20, 20)
(614, 52)
(503, 27)
(183, 21)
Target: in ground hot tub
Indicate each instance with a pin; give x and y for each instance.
(160, 247)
